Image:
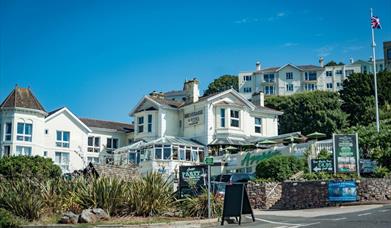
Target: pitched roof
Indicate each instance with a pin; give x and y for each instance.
(124, 127)
(167, 102)
(22, 98)
(301, 67)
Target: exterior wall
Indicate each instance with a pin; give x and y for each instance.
(247, 84)
(282, 81)
(155, 122)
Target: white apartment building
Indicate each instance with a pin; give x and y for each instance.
(71, 142)
(289, 79)
(172, 131)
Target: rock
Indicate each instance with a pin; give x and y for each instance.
(87, 216)
(100, 214)
(69, 218)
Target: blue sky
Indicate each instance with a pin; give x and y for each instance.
(99, 58)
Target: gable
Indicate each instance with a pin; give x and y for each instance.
(145, 104)
(231, 97)
(65, 119)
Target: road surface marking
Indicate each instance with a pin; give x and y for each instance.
(384, 210)
(364, 214)
(336, 219)
(284, 223)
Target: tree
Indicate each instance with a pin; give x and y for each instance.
(331, 63)
(27, 167)
(358, 97)
(222, 83)
(280, 167)
(309, 112)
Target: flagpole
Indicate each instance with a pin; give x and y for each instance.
(375, 78)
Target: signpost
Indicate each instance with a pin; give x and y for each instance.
(209, 161)
(321, 165)
(342, 191)
(346, 153)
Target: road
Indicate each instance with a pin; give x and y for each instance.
(346, 217)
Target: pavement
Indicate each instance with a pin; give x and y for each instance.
(345, 216)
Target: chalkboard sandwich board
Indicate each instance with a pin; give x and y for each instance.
(236, 203)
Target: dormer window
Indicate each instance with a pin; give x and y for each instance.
(140, 124)
(234, 118)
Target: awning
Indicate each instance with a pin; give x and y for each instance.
(230, 141)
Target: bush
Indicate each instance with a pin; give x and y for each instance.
(7, 219)
(280, 168)
(330, 176)
(23, 198)
(29, 167)
(150, 195)
(381, 172)
(197, 206)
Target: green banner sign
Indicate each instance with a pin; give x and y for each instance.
(346, 153)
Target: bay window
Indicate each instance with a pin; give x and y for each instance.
(24, 132)
(234, 118)
(258, 125)
(8, 131)
(222, 117)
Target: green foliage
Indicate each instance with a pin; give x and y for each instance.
(358, 97)
(7, 219)
(372, 144)
(22, 197)
(324, 154)
(329, 176)
(333, 63)
(309, 112)
(150, 195)
(381, 172)
(197, 206)
(27, 166)
(222, 83)
(280, 168)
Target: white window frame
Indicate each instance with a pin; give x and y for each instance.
(258, 125)
(247, 78)
(24, 136)
(93, 160)
(289, 75)
(329, 73)
(94, 147)
(234, 118)
(63, 160)
(269, 89)
(149, 124)
(289, 87)
(23, 151)
(329, 85)
(62, 142)
(247, 89)
(8, 135)
(182, 153)
(140, 124)
(222, 117)
(112, 143)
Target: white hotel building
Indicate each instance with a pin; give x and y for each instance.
(289, 79)
(181, 128)
(26, 128)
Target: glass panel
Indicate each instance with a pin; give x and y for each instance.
(97, 141)
(19, 138)
(258, 121)
(65, 136)
(115, 143)
(59, 136)
(28, 129)
(158, 153)
(234, 123)
(167, 153)
(18, 150)
(8, 128)
(140, 120)
(58, 158)
(149, 118)
(20, 128)
(188, 151)
(175, 153)
(108, 143)
(27, 151)
(182, 156)
(90, 139)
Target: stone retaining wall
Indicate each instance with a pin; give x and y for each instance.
(311, 194)
(122, 172)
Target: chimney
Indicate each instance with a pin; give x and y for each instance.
(351, 61)
(191, 90)
(158, 95)
(258, 98)
(258, 66)
(321, 61)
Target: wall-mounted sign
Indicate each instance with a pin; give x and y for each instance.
(253, 159)
(194, 118)
(322, 165)
(367, 166)
(340, 191)
(346, 153)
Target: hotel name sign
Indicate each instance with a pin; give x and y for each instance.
(194, 118)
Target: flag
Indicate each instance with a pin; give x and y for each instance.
(375, 22)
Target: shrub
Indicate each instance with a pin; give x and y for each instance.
(22, 197)
(280, 167)
(106, 193)
(381, 172)
(7, 219)
(150, 195)
(330, 176)
(197, 206)
(27, 166)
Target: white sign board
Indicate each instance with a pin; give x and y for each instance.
(194, 118)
